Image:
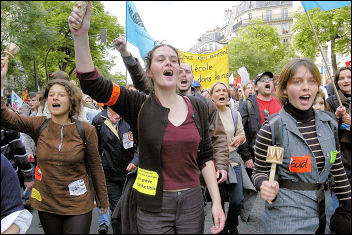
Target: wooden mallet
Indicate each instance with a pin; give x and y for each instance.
(275, 155)
(10, 51)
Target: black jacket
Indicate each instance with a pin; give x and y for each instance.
(148, 124)
(251, 124)
(114, 155)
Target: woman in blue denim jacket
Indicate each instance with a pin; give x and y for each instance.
(300, 194)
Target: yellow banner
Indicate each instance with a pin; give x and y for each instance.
(208, 68)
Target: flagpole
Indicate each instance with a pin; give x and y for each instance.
(126, 36)
(321, 52)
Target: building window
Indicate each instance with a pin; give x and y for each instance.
(284, 12)
(210, 47)
(250, 16)
(269, 15)
(285, 29)
(285, 40)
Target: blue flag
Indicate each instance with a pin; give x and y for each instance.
(136, 33)
(324, 5)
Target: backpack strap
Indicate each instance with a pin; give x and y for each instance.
(275, 124)
(41, 129)
(234, 117)
(80, 128)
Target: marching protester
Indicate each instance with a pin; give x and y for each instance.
(61, 193)
(248, 89)
(320, 102)
(14, 218)
(216, 128)
(342, 81)
(254, 111)
(307, 143)
(117, 150)
(237, 179)
(170, 130)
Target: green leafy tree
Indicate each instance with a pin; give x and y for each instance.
(332, 26)
(40, 29)
(258, 48)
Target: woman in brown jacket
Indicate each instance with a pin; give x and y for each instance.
(61, 193)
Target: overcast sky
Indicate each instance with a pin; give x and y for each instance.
(179, 23)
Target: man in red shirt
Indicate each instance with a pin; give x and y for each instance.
(254, 111)
(268, 104)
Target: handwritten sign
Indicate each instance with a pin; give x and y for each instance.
(146, 182)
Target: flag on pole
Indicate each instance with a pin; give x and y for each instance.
(136, 34)
(348, 63)
(324, 5)
(237, 83)
(24, 96)
(244, 75)
(16, 101)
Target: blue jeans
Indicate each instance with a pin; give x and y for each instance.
(114, 193)
(235, 195)
(104, 218)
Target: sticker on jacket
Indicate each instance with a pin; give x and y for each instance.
(38, 174)
(146, 182)
(333, 155)
(300, 164)
(77, 188)
(127, 140)
(36, 194)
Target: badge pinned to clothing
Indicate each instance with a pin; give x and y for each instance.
(36, 194)
(333, 155)
(300, 164)
(77, 188)
(127, 140)
(146, 182)
(38, 174)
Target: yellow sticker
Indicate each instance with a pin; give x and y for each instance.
(146, 181)
(36, 194)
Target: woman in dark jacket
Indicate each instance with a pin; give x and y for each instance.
(172, 133)
(343, 113)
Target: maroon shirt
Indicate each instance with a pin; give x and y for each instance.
(179, 154)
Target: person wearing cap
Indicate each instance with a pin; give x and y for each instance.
(254, 111)
(197, 86)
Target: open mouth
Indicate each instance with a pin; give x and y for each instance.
(183, 82)
(168, 73)
(267, 86)
(56, 105)
(304, 99)
(221, 99)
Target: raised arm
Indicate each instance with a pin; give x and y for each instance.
(84, 62)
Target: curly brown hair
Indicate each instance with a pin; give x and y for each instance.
(74, 93)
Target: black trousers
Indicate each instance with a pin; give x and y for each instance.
(65, 224)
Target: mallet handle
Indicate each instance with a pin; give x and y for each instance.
(272, 176)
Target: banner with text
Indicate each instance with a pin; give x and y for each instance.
(208, 68)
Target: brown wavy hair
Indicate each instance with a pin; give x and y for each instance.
(74, 93)
(227, 88)
(289, 71)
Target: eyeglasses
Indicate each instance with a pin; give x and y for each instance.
(266, 80)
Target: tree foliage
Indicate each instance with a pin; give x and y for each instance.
(40, 29)
(258, 48)
(332, 26)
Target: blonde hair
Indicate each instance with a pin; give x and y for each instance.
(227, 88)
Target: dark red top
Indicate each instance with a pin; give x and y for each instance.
(179, 154)
(272, 106)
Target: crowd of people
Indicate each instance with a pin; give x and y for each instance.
(150, 155)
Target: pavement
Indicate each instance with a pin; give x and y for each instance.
(253, 226)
